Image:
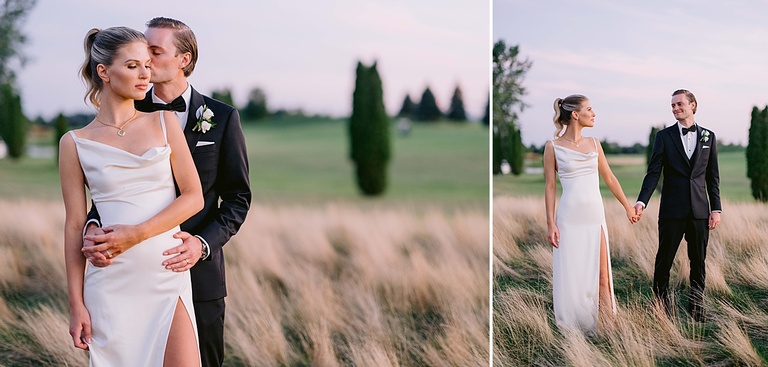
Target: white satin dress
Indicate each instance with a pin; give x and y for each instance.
(576, 262)
(132, 301)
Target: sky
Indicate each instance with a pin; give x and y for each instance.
(628, 57)
(302, 53)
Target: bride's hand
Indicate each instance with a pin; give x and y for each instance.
(553, 236)
(80, 327)
(116, 240)
(632, 216)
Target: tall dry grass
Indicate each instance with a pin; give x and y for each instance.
(736, 296)
(334, 285)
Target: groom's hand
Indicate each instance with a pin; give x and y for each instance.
(714, 220)
(188, 252)
(639, 209)
(98, 259)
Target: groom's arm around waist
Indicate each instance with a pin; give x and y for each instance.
(231, 185)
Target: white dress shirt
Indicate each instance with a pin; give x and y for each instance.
(182, 116)
(689, 140)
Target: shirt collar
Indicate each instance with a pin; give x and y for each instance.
(187, 95)
(680, 127)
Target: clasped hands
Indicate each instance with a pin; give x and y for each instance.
(102, 245)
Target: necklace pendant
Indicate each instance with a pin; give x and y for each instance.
(121, 132)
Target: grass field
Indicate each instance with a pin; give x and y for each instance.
(736, 297)
(300, 160)
(630, 170)
(317, 275)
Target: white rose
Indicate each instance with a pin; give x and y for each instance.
(207, 114)
(205, 126)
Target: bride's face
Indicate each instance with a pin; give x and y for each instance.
(585, 116)
(129, 74)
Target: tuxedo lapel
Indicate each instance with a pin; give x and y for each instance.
(194, 104)
(697, 151)
(678, 143)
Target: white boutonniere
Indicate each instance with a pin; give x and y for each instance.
(204, 123)
(704, 136)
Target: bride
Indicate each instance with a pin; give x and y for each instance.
(582, 280)
(135, 312)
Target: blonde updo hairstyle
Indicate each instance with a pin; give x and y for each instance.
(101, 47)
(564, 107)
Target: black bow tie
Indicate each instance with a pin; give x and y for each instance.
(178, 104)
(691, 129)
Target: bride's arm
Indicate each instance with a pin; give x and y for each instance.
(550, 191)
(190, 199)
(120, 238)
(73, 192)
(613, 184)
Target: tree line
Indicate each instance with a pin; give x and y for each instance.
(427, 110)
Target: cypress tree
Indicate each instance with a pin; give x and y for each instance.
(456, 111)
(516, 157)
(487, 115)
(408, 107)
(427, 109)
(497, 152)
(757, 156)
(369, 132)
(13, 124)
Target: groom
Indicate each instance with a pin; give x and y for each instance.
(220, 156)
(690, 197)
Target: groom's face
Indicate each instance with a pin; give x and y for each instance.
(167, 64)
(682, 108)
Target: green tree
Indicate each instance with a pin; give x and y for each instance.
(12, 16)
(427, 109)
(223, 95)
(256, 108)
(369, 132)
(516, 153)
(456, 111)
(60, 126)
(13, 124)
(757, 154)
(508, 74)
(408, 107)
(487, 114)
(497, 153)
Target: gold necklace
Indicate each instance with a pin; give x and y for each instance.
(120, 131)
(576, 143)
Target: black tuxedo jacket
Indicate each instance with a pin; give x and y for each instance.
(691, 188)
(222, 164)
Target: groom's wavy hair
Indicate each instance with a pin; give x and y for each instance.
(690, 96)
(563, 108)
(184, 39)
(101, 47)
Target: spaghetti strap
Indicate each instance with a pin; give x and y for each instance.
(553, 148)
(594, 141)
(162, 123)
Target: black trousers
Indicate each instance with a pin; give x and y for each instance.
(210, 331)
(671, 232)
